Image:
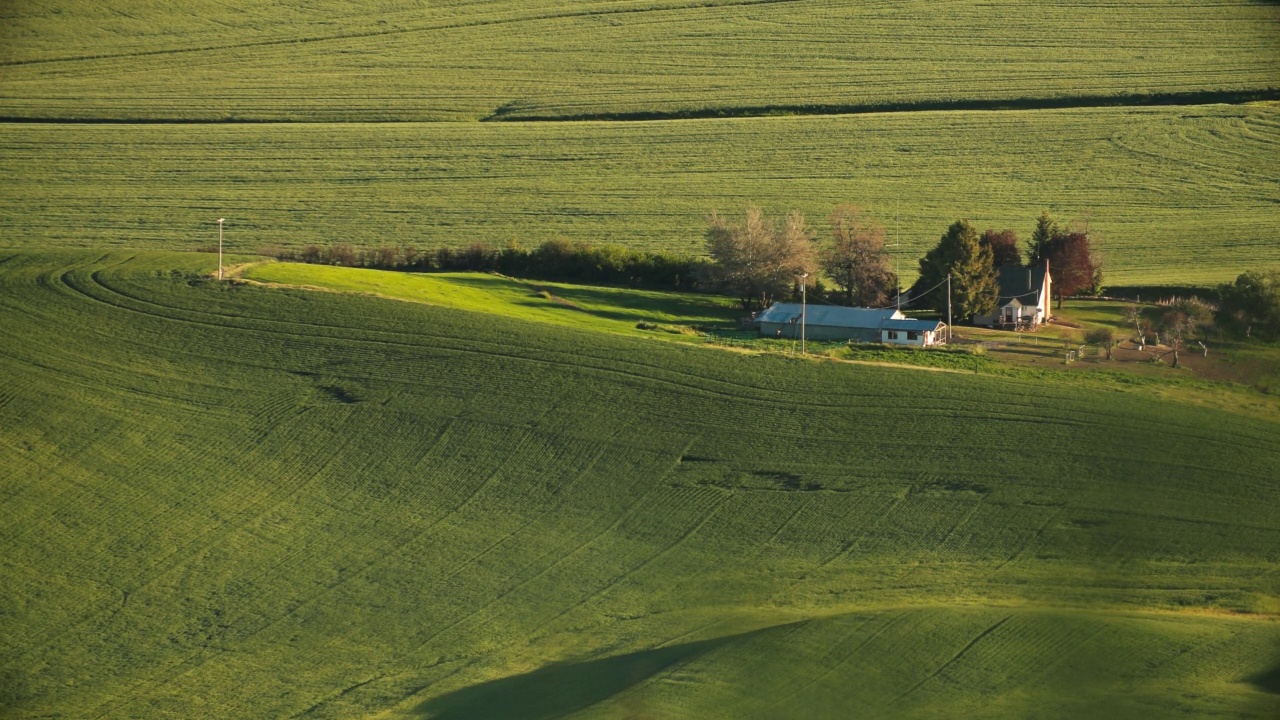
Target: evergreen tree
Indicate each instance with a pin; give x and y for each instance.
(1045, 230)
(962, 254)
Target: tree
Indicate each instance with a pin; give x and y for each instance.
(756, 259)
(1004, 247)
(961, 254)
(1071, 264)
(1101, 337)
(1133, 314)
(856, 260)
(1046, 228)
(1181, 319)
(1251, 303)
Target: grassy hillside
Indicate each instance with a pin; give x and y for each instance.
(1170, 194)
(465, 60)
(612, 310)
(242, 501)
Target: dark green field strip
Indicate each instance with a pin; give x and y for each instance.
(272, 503)
(1182, 194)
(465, 61)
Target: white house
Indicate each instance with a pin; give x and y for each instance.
(1024, 299)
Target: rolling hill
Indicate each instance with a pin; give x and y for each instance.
(260, 502)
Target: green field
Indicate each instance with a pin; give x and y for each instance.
(368, 60)
(245, 501)
(318, 492)
(1171, 195)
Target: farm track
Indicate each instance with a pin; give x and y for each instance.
(452, 497)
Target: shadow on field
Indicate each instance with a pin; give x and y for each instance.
(1267, 681)
(563, 688)
(629, 304)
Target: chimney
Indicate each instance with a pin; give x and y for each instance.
(1028, 278)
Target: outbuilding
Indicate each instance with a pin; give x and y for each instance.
(922, 333)
(834, 322)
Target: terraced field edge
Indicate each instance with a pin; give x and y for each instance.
(511, 112)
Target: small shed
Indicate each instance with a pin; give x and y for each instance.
(826, 322)
(922, 333)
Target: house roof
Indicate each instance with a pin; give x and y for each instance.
(1023, 284)
(913, 325)
(830, 315)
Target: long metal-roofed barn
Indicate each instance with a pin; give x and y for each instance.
(832, 322)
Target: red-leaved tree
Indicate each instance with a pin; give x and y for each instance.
(1004, 247)
(1071, 263)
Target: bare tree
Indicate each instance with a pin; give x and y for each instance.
(856, 260)
(1133, 315)
(756, 259)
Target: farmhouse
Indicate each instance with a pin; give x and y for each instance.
(1024, 299)
(831, 322)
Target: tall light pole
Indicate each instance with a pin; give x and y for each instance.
(804, 282)
(220, 221)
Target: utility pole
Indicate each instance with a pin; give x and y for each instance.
(897, 280)
(948, 308)
(220, 221)
(804, 281)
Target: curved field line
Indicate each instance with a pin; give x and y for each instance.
(847, 656)
(469, 350)
(948, 663)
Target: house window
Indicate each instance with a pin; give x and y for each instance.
(892, 334)
(911, 335)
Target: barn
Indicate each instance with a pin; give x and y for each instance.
(832, 322)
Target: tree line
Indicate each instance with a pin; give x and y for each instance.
(552, 260)
(758, 260)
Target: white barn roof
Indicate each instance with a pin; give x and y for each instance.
(830, 315)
